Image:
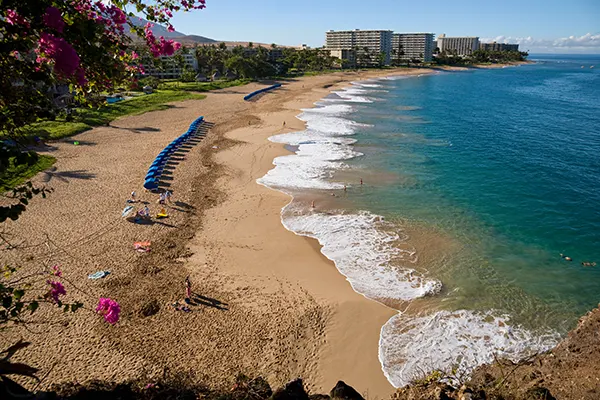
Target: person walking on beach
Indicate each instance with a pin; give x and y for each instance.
(361, 181)
(168, 196)
(188, 289)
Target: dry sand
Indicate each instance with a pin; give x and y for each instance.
(269, 303)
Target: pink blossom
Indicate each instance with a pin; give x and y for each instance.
(53, 19)
(110, 309)
(167, 46)
(66, 60)
(56, 290)
(118, 16)
(13, 18)
(170, 28)
(134, 55)
(169, 13)
(57, 271)
(176, 45)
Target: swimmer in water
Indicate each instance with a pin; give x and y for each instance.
(361, 182)
(344, 188)
(312, 205)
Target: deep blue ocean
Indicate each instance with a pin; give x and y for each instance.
(475, 183)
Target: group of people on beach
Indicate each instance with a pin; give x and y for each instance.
(144, 213)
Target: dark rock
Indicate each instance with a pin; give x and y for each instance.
(150, 308)
(319, 397)
(538, 393)
(343, 391)
(293, 390)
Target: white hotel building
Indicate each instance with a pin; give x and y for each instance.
(412, 46)
(463, 46)
(375, 41)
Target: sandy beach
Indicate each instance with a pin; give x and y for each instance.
(267, 302)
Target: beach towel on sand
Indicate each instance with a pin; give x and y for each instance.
(143, 247)
(98, 275)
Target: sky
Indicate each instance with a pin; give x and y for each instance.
(540, 26)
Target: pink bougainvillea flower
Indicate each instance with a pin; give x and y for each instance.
(13, 18)
(56, 270)
(170, 28)
(117, 15)
(66, 60)
(110, 309)
(134, 55)
(56, 290)
(53, 19)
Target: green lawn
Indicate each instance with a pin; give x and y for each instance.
(202, 86)
(87, 118)
(16, 175)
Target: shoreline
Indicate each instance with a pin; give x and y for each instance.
(288, 311)
(348, 353)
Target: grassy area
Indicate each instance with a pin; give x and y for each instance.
(202, 86)
(16, 175)
(87, 118)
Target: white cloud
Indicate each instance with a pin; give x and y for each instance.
(588, 43)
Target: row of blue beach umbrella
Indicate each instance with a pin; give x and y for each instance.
(158, 166)
(251, 95)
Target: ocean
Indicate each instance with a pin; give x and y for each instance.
(475, 187)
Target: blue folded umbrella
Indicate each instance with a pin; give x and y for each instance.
(151, 184)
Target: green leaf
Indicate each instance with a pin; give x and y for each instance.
(18, 294)
(34, 305)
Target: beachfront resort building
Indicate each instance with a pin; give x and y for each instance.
(498, 46)
(408, 47)
(460, 46)
(347, 57)
(171, 67)
(371, 46)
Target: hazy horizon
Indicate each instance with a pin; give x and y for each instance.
(549, 27)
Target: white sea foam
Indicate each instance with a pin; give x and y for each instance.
(330, 108)
(351, 94)
(363, 246)
(295, 172)
(367, 85)
(410, 347)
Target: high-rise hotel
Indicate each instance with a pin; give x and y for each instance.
(363, 42)
(412, 47)
(395, 46)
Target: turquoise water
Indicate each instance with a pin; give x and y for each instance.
(474, 183)
(506, 163)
